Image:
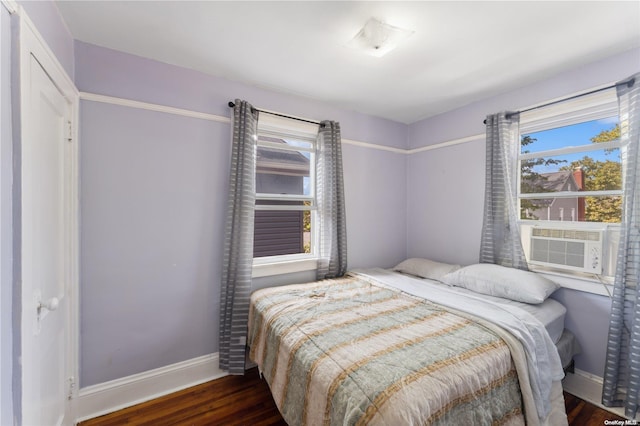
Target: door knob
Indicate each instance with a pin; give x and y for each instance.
(42, 309)
(50, 305)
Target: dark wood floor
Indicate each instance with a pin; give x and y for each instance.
(580, 412)
(238, 400)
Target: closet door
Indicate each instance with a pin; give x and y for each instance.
(48, 230)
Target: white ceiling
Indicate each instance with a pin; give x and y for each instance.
(460, 52)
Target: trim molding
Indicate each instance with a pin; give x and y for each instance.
(93, 97)
(374, 146)
(452, 142)
(104, 398)
(10, 5)
(152, 107)
(588, 387)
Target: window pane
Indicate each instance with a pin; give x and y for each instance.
(283, 171)
(581, 209)
(289, 141)
(591, 171)
(586, 133)
(281, 232)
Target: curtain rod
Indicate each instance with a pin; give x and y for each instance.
(231, 105)
(628, 83)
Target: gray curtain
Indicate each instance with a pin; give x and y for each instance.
(238, 250)
(622, 368)
(332, 229)
(500, 240)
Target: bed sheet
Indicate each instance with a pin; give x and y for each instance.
(550, 313)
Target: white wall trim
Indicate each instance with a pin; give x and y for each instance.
(374, 146)
(94, 97)
(445, 144)
(588, 387)
(10, 5)
(125, 392)
(103, 398)
(152, 107)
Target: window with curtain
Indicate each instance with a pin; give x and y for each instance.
(577, 179)
(285, 215)
(569, 188)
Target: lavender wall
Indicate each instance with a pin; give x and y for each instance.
(153, 204)
(47, 19)
(109, 72)
(445, 188)
(375, 204)
(588, 318)
(467, 120)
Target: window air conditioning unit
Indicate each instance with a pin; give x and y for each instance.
(573, 249)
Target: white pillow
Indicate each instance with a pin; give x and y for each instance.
(425, 268)
(499, 281)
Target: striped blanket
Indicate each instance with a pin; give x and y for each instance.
(347, 351)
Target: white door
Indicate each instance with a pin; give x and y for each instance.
(47, 247)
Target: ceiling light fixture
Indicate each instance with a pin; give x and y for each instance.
(377, 38)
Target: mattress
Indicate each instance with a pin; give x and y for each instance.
(550, 313)
(568, 347)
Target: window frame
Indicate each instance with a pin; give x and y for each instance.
(595, 106)
(280, 127)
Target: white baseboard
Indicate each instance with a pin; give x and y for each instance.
(104, 398)
(588, 387)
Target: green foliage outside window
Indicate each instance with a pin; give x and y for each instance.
(601, 176)
(530, 180)
(598, 176)
(306, 227)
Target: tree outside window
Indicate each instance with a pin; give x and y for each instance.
(592, 170)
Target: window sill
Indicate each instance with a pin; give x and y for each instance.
(265, 267)
(580, 283)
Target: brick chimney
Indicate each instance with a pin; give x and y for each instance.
(578, 176)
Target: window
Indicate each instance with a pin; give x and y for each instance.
(285, 193)
(570, 185)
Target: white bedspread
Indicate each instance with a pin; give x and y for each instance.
(543, 361)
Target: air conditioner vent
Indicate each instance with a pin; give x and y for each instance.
(568, 234)
(572, 249)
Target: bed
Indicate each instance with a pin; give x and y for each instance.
(395, 348)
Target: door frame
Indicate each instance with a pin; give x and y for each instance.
(31, 43)
(6, 222)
